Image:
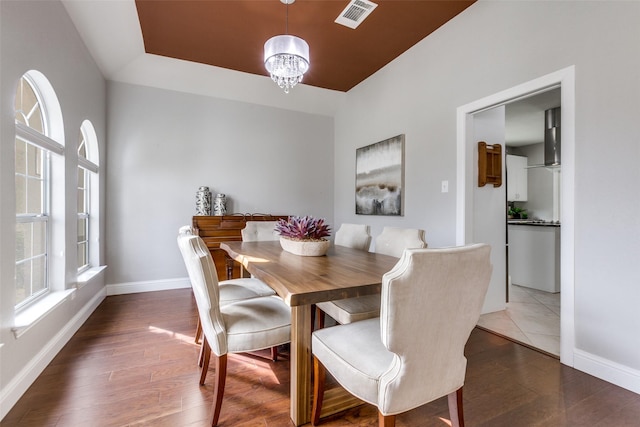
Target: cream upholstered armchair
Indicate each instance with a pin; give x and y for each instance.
(259, 231)
(231, 290)
(234, 289)
(238, 326)
(355, 236)
(392, 241)
(414, 353)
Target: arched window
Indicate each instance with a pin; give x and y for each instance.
(87, 196)
(34, 164)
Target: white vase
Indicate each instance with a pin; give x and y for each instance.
(220, 205)
(305, 247)
(203, 201)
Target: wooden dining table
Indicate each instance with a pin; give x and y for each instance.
(301, 282)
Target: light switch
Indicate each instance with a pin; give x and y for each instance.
(445, 186)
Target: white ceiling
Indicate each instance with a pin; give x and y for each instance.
(524, 119)
(111, 31)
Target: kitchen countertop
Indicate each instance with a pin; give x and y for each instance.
(535, 222)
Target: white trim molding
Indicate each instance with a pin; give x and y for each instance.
(565, 78)
(29, 317)
(605, 369)
(148, 286)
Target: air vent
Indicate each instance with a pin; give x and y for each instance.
(355, 12)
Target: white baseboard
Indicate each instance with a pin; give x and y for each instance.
(609, 371)
(148, 286)
(12, 392)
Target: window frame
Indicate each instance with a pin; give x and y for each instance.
(49, 148)
(89, 165)
(83, 214)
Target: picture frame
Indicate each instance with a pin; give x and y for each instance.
(380, 178)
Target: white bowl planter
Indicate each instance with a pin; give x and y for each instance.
(305, 247)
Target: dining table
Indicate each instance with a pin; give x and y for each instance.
(302, 281)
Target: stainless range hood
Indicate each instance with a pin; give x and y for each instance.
(551, 139)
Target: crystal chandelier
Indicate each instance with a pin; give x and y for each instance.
(286, 57)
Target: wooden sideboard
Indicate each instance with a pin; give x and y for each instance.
(216, 229)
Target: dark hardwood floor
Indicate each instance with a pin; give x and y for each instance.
(133, 363)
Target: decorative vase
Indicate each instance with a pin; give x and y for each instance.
(220, 205)
(305, 247)
(203, 201)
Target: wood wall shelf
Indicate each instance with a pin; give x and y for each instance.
(489, 164)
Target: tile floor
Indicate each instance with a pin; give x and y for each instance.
(532, 317)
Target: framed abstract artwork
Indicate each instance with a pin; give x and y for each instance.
(380, 178)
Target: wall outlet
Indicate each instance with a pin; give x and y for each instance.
(445, 186)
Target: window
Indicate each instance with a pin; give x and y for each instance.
(87, 178)
(32, 180)
(33, 171)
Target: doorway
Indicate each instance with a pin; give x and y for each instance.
(532, 313)
(468, 229)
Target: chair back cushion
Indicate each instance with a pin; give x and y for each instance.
(259, 231)
(204, 281)
(431, 300)
(393, 240)
(353, 236)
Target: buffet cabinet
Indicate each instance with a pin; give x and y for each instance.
(216, 229)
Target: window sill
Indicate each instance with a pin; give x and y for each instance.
(87, 275)
(29, 317)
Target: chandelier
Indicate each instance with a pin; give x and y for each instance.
(286, 57)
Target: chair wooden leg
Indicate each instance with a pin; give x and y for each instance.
(206, 354)
(386, 420)
(318, 391)
(455, 408)
(274, 353)
(198, 332)
(218, 388)
(201, 355)
(320, 316)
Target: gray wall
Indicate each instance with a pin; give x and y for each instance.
(490, 47)
(39, 35)
(163, 145)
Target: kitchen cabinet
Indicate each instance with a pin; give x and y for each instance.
(534, 256)
(516, 178)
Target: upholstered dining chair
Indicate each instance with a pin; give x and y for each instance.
(414, 352)
(236, 327)
(392, 241)
(232, 290)
(259, 231)
(355, 236)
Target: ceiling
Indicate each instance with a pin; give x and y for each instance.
(524, 119)
(231, 33)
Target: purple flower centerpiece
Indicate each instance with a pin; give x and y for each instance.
(304, 235)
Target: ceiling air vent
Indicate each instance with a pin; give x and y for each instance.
(355, 12)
